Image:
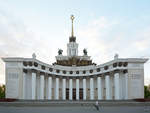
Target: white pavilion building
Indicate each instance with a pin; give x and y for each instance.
(74, 77)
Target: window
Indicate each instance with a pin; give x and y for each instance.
(30, 63)
(125, 64)
(43, 67)
(35, 64)
(64, 72)
(120, 64)
(77, 72)
(50, 69)
(91, 71)
(57, 71)
(71, 72)
(98, 69)
(84, 72)
(115, 65)
(106, 67)
(24, 63)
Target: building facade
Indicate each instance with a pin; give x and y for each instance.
(74, 77)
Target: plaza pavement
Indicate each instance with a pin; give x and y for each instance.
(22, 106)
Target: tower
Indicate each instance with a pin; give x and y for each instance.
(72, 46)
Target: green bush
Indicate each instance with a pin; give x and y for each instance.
(146, 92)
(2, 91)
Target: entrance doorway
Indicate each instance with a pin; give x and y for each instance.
(81, 93)
(67, 93)
(74, 93)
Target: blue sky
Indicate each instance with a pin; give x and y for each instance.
(104, 27)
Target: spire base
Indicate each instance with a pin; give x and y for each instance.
(72, 39)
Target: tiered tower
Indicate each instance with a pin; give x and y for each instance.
(72, 46)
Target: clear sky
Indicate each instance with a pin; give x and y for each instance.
(104, 27)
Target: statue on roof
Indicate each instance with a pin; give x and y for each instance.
(34, 56)
(85, 52)
(60, 51)
(116, 56)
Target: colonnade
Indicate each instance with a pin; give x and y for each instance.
(100, 95)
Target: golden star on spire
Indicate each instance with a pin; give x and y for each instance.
(72, 17)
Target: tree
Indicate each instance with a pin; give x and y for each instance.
(146, 92)
(2, 91)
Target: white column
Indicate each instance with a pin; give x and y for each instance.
(99, 88)
(116, 86)
(107, 84)
(64, 89)
(49, 88)
(57, 89)
(41, 86)
(126, 85)
(70, 89)
(24, 86)
(84, 88)
(33, 85)
(77, 89)
(91, 89)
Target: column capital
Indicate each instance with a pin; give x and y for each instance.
(117, 71)
(49, 75)
(69, 77)
(91, 76)
(33, 71)
(77, 77)
(63, 77)
(107, 73)
(57, 76)
(125, 71)
(100, 75)
(111, 73)
(25, 70)
(42, 73)
(84, 77)
(88, 77)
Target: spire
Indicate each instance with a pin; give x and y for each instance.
(72, 18)
(72, 38)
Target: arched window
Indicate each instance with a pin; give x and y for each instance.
(98, 69)
(84, 72)
(64, 72)
(91, 71)
(50, 69)
(71, 72)
(57, 71)
(77, 72)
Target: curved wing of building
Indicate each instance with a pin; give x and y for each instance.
(74, 77)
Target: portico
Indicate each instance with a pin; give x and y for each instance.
(55, 87)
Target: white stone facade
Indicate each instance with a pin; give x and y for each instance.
(28, 78)
(119, 79)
